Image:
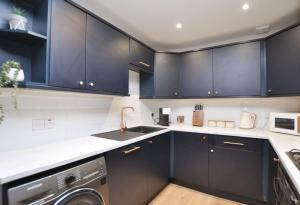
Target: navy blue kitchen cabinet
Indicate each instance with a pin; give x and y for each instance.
(158, 159)
(141, 56)
(273, 166)
(196, 74)
(146, 85)
(164, 82)
(237, 70)
(67, 54)
(107, 58)
(166, 75)
(235, 166)
(283, 62)
(191, 159)
(127, 175)
(138, 172)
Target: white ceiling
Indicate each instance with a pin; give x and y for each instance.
(205, 22)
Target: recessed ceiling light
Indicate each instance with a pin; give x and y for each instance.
(179, 26)
(245, 7)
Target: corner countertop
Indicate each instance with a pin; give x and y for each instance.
(22, 163)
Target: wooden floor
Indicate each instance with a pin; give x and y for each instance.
(177, 195)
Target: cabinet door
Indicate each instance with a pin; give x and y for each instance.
(196, 76)
(237, 70)
(166, 75)
(141, 56)
(283, 62)
(158, 158)
(67, 53)
(191, 159)
(273, 166)
(146, 85)
(236, 171)
(107, 58)
(127, 176)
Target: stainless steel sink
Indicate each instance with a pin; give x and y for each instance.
(128, 134)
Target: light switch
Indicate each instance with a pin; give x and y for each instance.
(49, 123)
(38, 124)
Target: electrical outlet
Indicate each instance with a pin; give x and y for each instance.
(38, 124)
(49, 123)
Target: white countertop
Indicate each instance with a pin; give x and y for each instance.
(22, 163)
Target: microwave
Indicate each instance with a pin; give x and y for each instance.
(287, 123)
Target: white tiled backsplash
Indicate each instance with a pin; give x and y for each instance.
(78, 115)
(226, 109)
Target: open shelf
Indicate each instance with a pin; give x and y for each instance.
(29, 47)
(27, 37)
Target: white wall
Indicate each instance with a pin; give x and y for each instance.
(75, 115)
(79, 115)
(225, 109)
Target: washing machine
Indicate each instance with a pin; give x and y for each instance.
(84, 184)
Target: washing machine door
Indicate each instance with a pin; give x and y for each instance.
(83, 196)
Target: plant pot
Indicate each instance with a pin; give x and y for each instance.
(14, 74)
(17, 22)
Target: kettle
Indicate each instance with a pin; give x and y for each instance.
(247, 120)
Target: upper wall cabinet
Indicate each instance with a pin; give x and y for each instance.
(283, 63)
(86, 53)
(107, 58)
(237, 70)
(196, 76)
(67, 55)
(141, 56)
(164, 82)
(166, 75)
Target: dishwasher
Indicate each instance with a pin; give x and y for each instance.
(284, 191)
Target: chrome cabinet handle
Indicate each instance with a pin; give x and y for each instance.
(92, 84)
(234, 143)
(211, 150)
(204, 137)
(275, 159)
(145, 64)
(270, 90)
(216, 92)
(209, 93)
(175, 93)
(150, 142)
(81, 83)
(126, 152)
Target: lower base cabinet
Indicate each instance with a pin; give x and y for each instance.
(236, 166)
(138, 172)
(231, 166)
(158, 161)
(127, 179)
(273, 166)
(237, 172)
(191, 159)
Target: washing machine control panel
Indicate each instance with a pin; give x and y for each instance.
(82, 174)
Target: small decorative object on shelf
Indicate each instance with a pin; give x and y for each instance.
(11, 74)
(17, 19)
(180, 119)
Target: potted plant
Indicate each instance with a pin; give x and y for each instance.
(11, 74)
(17, 19)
